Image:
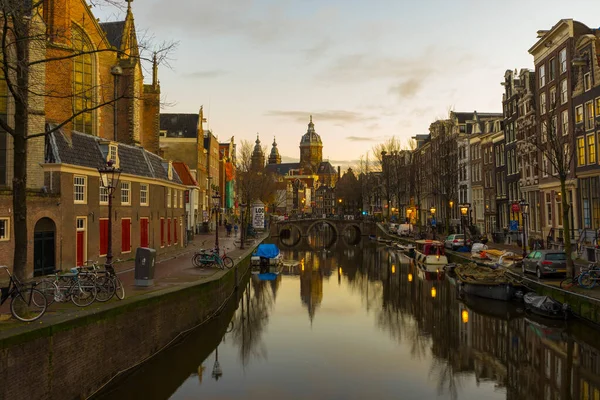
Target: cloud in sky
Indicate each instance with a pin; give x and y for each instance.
(363, 138)
(206, 74)
(328, 115)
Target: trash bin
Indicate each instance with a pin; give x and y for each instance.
(144, 266)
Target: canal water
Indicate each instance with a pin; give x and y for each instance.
(359, 321)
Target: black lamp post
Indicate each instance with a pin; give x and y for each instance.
(216, 202)
(109, 180)
(525, 211)
(433, 221)
(243, 233)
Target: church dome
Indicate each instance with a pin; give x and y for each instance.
(257, 149)
(274, 157)
(311, 137)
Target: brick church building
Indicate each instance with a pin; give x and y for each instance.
(87, 66)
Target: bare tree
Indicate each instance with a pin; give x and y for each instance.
(557, 161)
(22, 67)
(384, 154)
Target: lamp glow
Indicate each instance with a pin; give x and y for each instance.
(465, 316)
(433, 293)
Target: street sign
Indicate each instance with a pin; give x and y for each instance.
(433, 222)
(514, 226)
(515, 207)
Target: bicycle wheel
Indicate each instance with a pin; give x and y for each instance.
(586, 280)
(119, 288)
(28, 305)
(568, 283)
(228, 262)
(83, 293)
(105, 288)
(196, 260)
(49, 289)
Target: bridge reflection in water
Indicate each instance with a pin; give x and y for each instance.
(319, 234)
(358, 321)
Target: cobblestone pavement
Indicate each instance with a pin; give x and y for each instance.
(172, 269)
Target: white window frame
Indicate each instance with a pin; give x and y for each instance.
(587, 82)
(6, 222)
(542, 74)
(562, 60)
(125, 191)
(565, 122)
(563, 91)
(577, 114)
(82, 184)
(144, 198)
(103, 195)
(543, 103)
(181, 199)
(589, 116)
(113, 154)
(588, 147)
(168, 197)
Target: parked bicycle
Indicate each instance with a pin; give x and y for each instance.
(589, 278)
(569, 282)
(208, 258)
(107, 280)
(26, 304)
(79, 288)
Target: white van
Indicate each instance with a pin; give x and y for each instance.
(404, 229)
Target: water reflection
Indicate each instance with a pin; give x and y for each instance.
(362, 322)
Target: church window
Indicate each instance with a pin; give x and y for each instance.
(83, 83)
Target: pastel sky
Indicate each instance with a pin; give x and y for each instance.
(365, 70)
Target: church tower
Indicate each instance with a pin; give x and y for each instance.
(274, 157)
(311, 150)
(258, 156)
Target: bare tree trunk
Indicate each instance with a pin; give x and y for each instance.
(566, 227)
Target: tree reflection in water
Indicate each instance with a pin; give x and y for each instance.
(252, 317)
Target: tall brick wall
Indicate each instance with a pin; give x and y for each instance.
(72, 359)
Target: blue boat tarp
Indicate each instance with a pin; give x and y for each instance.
(268, 276)
(267, 250)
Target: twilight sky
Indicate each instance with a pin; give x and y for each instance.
(365, 70)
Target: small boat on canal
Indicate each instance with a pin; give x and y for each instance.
(266, 258)
(430, 253)
(546, 306)
(496, 284)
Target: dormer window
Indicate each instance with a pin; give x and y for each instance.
(113, 154)
(170, 171)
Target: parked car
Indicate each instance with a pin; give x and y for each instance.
(393, 228)
(454, 241)
(545, 262)
(405, 229)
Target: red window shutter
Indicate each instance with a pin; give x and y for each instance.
(103, 236)
(175, 229)
(168, 232)
(125, 235)
(162, 232)
(144, 232)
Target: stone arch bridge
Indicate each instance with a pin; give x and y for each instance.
(305, 226)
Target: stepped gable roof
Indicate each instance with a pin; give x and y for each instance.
(326, 168)
(179, 125)
(83, 150)
(184, 173)
(114, 32)
(282, 169)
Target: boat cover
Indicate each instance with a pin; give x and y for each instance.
(542, 303)
(267, 250)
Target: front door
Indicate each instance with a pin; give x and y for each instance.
(44, 247)
(80, 245)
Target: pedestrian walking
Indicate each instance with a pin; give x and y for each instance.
(228, 227)
(235, 230)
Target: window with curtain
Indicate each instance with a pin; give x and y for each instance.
(83, 83)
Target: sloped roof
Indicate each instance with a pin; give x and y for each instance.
(84, 150)
(184, 173)
(114, 32)
(326, 168)
(282, 169)
(179, 125)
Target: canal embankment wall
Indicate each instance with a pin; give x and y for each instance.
(71, 359)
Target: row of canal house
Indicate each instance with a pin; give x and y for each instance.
(67, 220)
(496, 164)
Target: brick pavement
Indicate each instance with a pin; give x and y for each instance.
(172, 269)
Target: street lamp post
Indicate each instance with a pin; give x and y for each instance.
(243, 205)
(109, 180)
(340, 205)
(216, 202)
(525, 211)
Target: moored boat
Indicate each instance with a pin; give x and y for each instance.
(546, 306)
(485, 282)
(430, 253)
(266, 257)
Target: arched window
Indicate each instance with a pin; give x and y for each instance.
(83, 83)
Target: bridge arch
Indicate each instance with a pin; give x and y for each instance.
(320, 222)
(357, 232)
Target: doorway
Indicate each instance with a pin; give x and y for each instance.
(44, 246)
